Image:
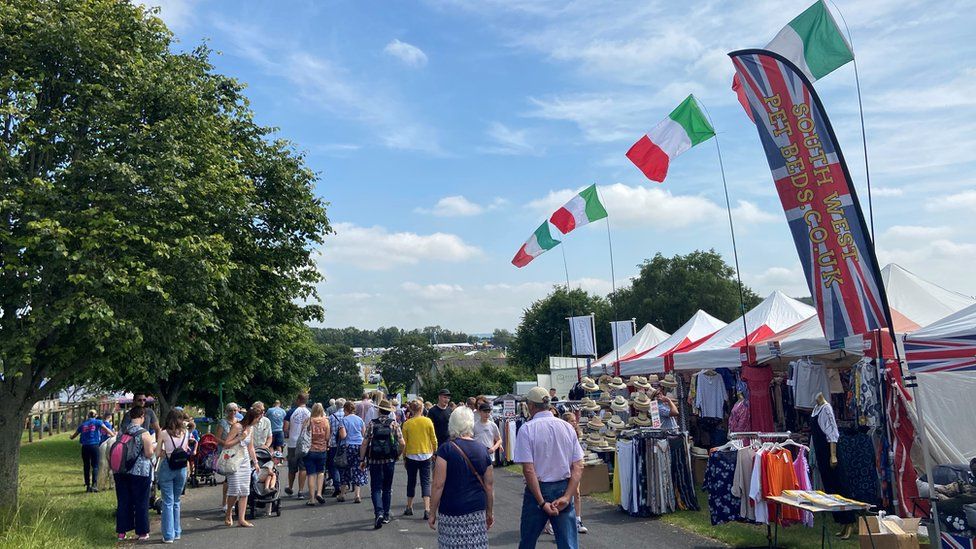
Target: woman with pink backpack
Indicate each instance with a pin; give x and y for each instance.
(129, 459)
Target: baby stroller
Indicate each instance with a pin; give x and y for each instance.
(262, 498)
(204, 461)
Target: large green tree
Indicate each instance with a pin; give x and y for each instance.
(336, 374)
(151, 235)
(405, 361)
(669, 290)
(544, 330)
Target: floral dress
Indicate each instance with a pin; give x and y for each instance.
(719, 474)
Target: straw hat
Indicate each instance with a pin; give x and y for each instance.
(594, 440)
(619, 404)
(616, 424)
(591, 458)
(641, 420)
(669, 381)
(588, 385)
(642, 402)
(652, 379)
(616, 384)
(604, 400)
(640, 382)
(385, 406)
(589, 405)
(611, 439)
(595, 424)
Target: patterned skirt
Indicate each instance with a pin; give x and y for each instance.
(239, 483)
(352, 476)
(463, 531)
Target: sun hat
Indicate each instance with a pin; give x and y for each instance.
(616, 423)
(640, 382)
(594, 440)
(587, 384)
(669, 381)
(611, 438)
(537, 395)
(642, 402)
(589, 405)
(595, 424)
(641, 420)
(652, 379)
(604, 400)
(619, 404)
(385, 406)
(616, 383)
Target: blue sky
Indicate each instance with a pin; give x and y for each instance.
(445, 131)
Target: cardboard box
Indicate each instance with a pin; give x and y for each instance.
(596, 478)
(908, 539)
(698, 466)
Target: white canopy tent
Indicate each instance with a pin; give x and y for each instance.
(693, 332)
(644, 340)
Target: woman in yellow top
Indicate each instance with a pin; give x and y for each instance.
(420, 443)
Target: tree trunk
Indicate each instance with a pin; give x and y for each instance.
(13, 413)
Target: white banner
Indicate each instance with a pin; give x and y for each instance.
(623, 331)
(581, 331)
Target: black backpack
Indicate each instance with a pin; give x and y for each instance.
(383, 444)
(178, 457)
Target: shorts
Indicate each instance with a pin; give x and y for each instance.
(294, 464)
(315, 463)
(277, 439)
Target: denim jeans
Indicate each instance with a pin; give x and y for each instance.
(89, 458)
(381, 487)
(331, 467)
(132, 494)
(535, 519)
(415, 468)
(171, 485)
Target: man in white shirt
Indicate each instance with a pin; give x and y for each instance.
(293, 428)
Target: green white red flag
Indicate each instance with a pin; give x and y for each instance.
(684, 128)
(537, 244)
(812, 41)
(582, 209)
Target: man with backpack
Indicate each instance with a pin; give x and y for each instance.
(381, 448)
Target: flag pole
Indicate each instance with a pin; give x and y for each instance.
(613, 291)
(728, 207)
(860, 111)
(565, 265)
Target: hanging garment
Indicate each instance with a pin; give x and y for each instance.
(830, 476)
(739, 419)
(719, 475)
(867, 388)
(684, 481)
(757, 378)
(742, 482)
(616, 478)
(802, 470)
(759, 505)
(624, 472)
(809, 379)
(856, 452)
(711, 395)
(778, 475)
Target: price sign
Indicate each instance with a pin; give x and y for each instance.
(508, 408)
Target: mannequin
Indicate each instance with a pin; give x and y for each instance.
(824, 435)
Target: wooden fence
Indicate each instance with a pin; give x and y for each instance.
(67, 418)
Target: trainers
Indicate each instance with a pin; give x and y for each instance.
(299, 495)
(289, 491)
(320, 499)
(378, 523)
(580, 528)
(336, 493)
(426, 515)
(408, 512)
(386, 519)
(94, 489)
(167, 541)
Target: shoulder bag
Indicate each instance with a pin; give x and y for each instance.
(470, 466)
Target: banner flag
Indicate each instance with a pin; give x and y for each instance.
(581, 332)
(623, 331)
(815, 188)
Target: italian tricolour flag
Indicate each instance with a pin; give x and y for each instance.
(684, 128)
(582, 209)
(537, 244)
(813, 42)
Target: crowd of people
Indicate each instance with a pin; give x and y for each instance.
(332, 450)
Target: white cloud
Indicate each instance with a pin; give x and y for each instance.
(656, 207)
(177, 14)
(459, 206)
(325, 85)
(964, 200)
(886, 191)
(789, 280)
(945, 262)
(900, 233)
(509, 141)
(410, 55)
(375, 248)
(433, 291)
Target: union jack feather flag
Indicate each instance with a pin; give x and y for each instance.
(941, 355)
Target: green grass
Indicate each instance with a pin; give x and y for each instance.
(734, 534)
(54, 510)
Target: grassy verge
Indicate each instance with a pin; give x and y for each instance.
(734, 534)
(54, 510)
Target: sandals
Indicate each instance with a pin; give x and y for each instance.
(245, 524)
(309, 503)
(228, 522)
(358, 500)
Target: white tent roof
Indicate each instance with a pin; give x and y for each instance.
(698, 327)
(776, 313)
(644, 340)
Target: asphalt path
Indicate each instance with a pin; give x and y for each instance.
(351, 525)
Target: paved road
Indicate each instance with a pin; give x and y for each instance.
(351, 525)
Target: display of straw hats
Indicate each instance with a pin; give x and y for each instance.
(641, 420)
(604, 400)
(596, 443)
(589, 405)
(619, 404)
(669, 381)
(616, 384)
(616, 424)
(640, 382)
(642, 402)
(588, 385)
(591, 458)
(595, 424)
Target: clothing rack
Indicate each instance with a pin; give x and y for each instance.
(760, 434)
